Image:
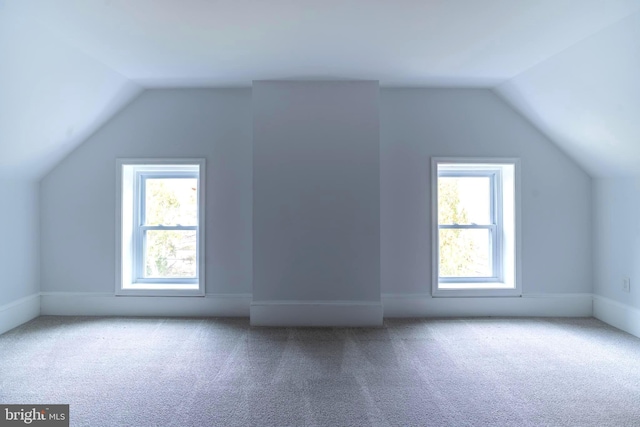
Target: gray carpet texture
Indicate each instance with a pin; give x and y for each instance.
(140, 372)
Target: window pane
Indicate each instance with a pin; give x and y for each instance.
(171, 201)
(464, 200)
(170, 254)
(465, 253)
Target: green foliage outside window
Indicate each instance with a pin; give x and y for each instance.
(170, 202)
(461, 254)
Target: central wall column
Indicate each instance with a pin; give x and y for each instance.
(316, 204)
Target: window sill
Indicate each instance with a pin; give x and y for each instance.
(491, 289)
(161, 290)
(474, 285)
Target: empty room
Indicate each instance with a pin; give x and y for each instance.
(320, 213)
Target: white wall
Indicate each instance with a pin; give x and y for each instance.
(19, 252)
(316, 209)
(616, 232)
(419, 123)
(78, 196)
(616, 251)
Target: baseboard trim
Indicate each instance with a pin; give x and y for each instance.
(531, 305)
(617, 314)
(306, 313)
(319, 313)
(316, 313)
(18, 312)
(108, 304)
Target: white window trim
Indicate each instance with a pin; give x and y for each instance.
(510, 284)
(126, 243)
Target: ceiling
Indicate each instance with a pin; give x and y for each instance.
(569, 66)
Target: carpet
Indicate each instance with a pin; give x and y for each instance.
(412, 372)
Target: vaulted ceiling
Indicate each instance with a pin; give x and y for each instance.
(571, 67)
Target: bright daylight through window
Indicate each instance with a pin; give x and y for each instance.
(160, 233)
(475, 227)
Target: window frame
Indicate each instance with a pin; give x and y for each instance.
(139, 211)
(494, 225)
(505, 250)
(131, 175)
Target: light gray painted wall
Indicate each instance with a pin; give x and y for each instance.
(78, 196)
(316, 191)
(616, 234)
(419, 123)
(19, 250)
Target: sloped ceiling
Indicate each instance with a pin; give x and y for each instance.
(52, 96)
(587, 99)
(569, 66)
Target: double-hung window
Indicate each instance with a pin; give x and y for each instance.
(474, 227)
(160, 240)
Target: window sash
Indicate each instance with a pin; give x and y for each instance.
(495, 216)
(493, 252)
(141, 188)
(140, 229)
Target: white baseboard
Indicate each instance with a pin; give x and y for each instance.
(542, 305)
(309, 313)
(617, 314)
(18, 312)
(316, 313)
(107, 304)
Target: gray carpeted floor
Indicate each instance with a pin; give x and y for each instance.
(222, 372)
